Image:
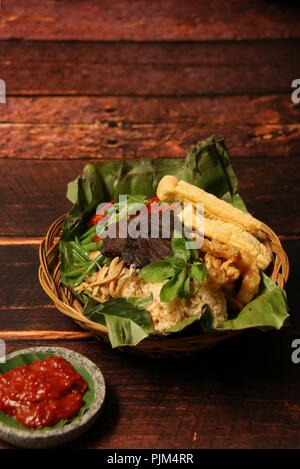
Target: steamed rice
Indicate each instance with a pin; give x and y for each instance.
(164, 315)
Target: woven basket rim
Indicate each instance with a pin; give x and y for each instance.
(65, 301)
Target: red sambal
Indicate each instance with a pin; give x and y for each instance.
(43, 393)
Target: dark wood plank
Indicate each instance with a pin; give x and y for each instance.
(33, 192)
(20, 289)
(25, 307)
(146, 127)
(124, 111)
(42, 334)
(241, 394)
(160, 69)
(143, 20)
(18, 323)
(25, 311)
(105, 140)
(213, 53)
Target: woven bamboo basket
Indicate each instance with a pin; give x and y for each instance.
(155, 346)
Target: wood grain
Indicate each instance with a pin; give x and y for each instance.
(143, 20)
(93, 127)
(37, 323)
(101, 140)
(159, 69)
(237, 54)
(33, 193)
(253, 403)
(43, 335)
(20, 289)
(121, 111)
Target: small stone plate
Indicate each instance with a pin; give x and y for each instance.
(46, 438)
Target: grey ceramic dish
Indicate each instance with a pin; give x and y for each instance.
(46, 438)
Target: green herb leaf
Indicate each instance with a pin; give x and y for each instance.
(186, 291)
(195, 254)
(157, 271)
(172, 288)
(179, 248)
(198, 271)
(176, 263)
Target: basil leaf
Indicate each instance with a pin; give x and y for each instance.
(178, 264)
(157, 271)
(179, 248)
(172, 288)
(198, 271)
(195, 254)
(186, 292)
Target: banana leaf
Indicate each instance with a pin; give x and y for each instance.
(268, 309)
(127, 320)
(207, 165)
(28, 359)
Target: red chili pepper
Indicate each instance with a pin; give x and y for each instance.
(96, 239)
(151, 200)
(95, 218)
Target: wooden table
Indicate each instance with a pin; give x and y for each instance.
(88, 80)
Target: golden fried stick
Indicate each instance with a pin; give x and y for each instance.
(170, 189)
(217, 249)
(228, 233)
(245, 242)
(251, 279)
(220, 259)
(221, 273)
(236, 265)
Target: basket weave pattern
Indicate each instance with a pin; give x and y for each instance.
(66, 302)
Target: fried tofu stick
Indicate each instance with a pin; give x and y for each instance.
(170, 189)
(228, 233)
(225, 273)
